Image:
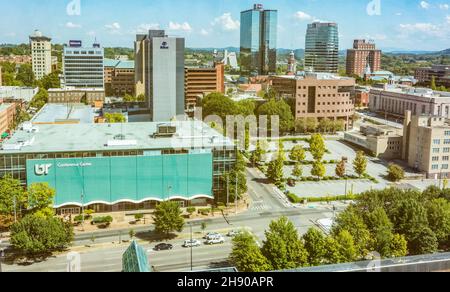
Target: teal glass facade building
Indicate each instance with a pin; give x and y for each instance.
(134, 170)
(322, 48)
(259, 41)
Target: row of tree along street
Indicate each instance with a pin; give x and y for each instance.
(390, 222)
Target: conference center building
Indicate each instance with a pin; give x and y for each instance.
(121, 167)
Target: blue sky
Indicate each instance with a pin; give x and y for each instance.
(402, 24)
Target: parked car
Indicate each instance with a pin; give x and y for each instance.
(163, 246)
(212, 235)
(192, 243)
(216, 240)
(234, 233)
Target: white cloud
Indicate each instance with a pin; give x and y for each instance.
(300, 15)
(419, 27)
(145, 27)
(73, 25)
(180, 26)
(91, 33)
(204, 32)
(448, 19)
(226, 22)
(424, 5)
(398, 14)
(377, 37)
(444, 6)
(113, 28)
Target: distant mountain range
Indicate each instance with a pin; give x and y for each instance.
(299, 53)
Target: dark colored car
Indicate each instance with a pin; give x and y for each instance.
(163, 246)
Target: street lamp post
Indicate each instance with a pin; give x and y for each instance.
(2, 255)
(82, 210)
(192, 249)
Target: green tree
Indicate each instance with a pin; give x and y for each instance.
(40, 199)
(395, 173)
(230, 177)
(385, 242)
(11, 192)
(283, 248)
(129, 98)
(35, 235)
(317, 146)
(409, 217)
(218, 104)
(438, 214)
(168, 218)
(25, 75)
(360, 164)
(275, 171)
(141, 98)
(315, 245)
(247, 256)
(50, 81)
(433, 83)
(281, 109)
(114, 118)
(246, 107)
(346, 246)
(351, 221)
(297, 172)
(297, 154)
(341, 169)
(318, 169)
(40, 99)
(257, 155)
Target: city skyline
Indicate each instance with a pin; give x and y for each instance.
(401, 25)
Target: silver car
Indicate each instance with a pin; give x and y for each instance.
(216, 240)
(192, 243)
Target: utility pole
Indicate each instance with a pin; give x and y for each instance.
(228, 190)
(15, 210)
(236, 193)
(82, 210)
(192, 249)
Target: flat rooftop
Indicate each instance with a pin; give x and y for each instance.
(415, 91)
(54, 113)
(71, 88)
(316, 75)
(112, 137)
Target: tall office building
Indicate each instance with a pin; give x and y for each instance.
(259, 41)
(83, 66)
(41, 54)
(322, 47)
(364, 56)
(159, 73)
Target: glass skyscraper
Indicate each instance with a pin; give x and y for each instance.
(322, 47)
(259, 41)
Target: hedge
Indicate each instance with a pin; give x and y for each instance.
(297, 200)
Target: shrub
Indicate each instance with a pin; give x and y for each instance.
(139, 217)
(191, 210)
(102, 220)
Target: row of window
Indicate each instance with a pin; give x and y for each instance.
(436, 166)
(438, 141)
(437, 150)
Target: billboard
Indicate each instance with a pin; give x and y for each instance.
(111, 180)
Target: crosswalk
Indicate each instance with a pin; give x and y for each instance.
(259, 206)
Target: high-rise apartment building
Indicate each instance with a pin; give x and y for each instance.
(119, 78)
(41, 54)
(159, 73)
(259, 41)
(322, 47)
(83, 66)
(364, 55)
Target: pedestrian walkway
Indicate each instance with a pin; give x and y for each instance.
(259, 206)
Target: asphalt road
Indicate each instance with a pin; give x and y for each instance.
(266, 206)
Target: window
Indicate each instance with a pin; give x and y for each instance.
(435, 150)
(444, 166)
(436, 142)
(447, 133)
(447, 141)
(445, 158)
(435, 158)
(435, 167)
(447, 150)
